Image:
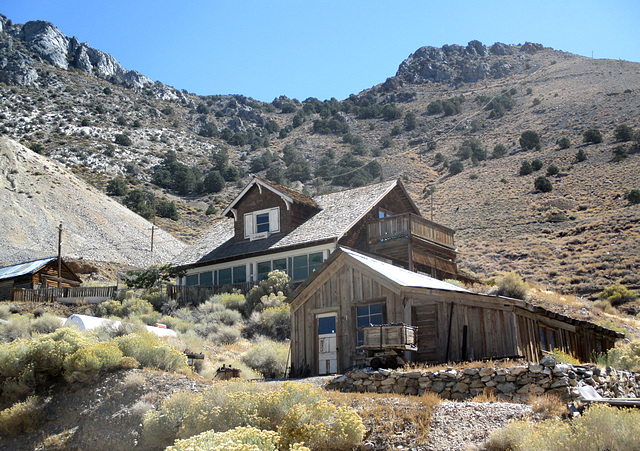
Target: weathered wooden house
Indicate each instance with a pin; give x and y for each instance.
(271, 227)
(36, 274)
(352, 290)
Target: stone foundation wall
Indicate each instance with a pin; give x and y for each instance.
(515, 383)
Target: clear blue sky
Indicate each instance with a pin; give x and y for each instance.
(267, 48)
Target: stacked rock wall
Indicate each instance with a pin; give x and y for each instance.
(515, 383)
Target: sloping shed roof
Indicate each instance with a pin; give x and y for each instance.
(401, 276)
(340, 211)
(21, 269)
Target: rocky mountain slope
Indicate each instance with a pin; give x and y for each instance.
(446, 105)
(38, 194)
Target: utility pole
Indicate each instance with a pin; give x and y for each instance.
(153, 228)
(60, 255)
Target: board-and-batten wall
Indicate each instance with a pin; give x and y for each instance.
(475, 330)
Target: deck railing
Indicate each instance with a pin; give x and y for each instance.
(401, 226)
(55, 294)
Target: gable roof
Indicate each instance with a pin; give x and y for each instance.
(287, 194)
(339, 212)
(21, 269)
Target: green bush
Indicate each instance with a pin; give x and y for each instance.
(511, 285)
(86, 364)
(276, 281)
(525, 168)
(268, 357)
(46, 324)
(623, 133)
(536, 164)
(619, 154)
(151, 352)
(624, 356)
(499, 151)
(322, 426)
(530, 140)
(21, 417)
(600, 427)
(592, 136)
(617, 294)
(117, 187)
(553, 170)
(543, 184)
(564, 142)
(633, 196)
(581, 155)
(123, 140)
(167, 209)
(240, 438)
(456, 167)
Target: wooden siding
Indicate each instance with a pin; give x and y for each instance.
(452, 325)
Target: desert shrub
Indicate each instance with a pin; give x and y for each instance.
(536, 164)
(525, 168)
(322, 426)
(633, 196)
(46, 324)
(129, 307)
(86, 364)
(456, 167)
(160, 427)
(16, 327)
(233, 301)
(151, 352)
(117, 187)
(123, 140)
(21, 417)
(592, 136)
(619, 154)
(240, 438)
(581, 155)
(564, 142)
(553, 170)
(549, 406)
(276, 281)
(511, 285)
(268, 357)
(617, 294)
(599, 427)
(499, 151)
(167, 209)
(625, 356)
(543, 184)
(530, 140)
(623, 133)
(562, 357)
(275, 322)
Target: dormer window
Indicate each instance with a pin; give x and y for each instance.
(262, 223)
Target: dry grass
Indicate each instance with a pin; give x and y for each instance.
(549, 406)
(502, 363)
(388, 415)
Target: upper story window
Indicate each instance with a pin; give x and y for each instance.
(260, 224)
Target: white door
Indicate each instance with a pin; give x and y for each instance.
(327, 345)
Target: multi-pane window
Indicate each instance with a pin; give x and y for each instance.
(369, 315)
(239, 274)
(303, 265)
(263, 270)
(225, 276)
(206, 279)
(262, 222)
(258, 224)
(547, 338)
(192, 280)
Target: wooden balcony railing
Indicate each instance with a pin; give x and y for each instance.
(408, 224)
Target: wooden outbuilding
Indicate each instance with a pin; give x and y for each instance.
(352, 291)
(36, 274)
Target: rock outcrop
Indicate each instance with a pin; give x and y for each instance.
(455, 63)
(22, 45)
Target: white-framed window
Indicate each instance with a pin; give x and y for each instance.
(262, 223)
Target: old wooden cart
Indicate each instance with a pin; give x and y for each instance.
(385, 345)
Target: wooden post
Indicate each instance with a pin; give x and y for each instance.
(153, 228)
(60, 255)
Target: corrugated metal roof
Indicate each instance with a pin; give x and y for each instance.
(21, 269)
(401, 276)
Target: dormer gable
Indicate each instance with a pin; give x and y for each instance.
(264, 208)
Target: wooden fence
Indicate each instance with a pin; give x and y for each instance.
(65, 295)
(197, 294)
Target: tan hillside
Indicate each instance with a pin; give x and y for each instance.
(39, 194)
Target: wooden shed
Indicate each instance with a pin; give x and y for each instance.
(35, 274)
(352, 290)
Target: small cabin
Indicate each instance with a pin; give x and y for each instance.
(332, 310)
(36, 274)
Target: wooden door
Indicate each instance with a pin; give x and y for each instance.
(425, 318)
(327, 343)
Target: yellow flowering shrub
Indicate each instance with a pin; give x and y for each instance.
(152, 352)
(237, 439)
(86, 364)
(21, 417)
(321, 426)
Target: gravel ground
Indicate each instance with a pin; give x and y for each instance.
(466, 425)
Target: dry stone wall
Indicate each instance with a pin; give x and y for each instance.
(516, 383)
